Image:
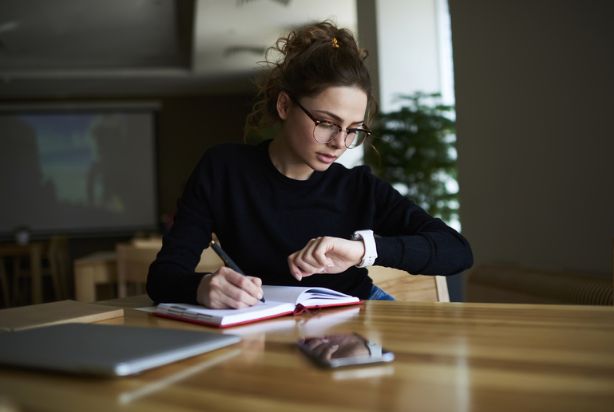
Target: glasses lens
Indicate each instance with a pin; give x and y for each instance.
(355, 138)
(325, 132)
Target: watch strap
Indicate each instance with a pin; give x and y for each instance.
(368, 239)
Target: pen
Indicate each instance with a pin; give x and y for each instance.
(227, 260)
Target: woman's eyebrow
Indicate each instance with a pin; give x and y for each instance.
(335, 117)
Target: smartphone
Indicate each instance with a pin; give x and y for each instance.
(334, 351)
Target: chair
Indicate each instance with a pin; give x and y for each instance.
(134, 259)
(58, 265)
(54, 262)
(94, 270)
(28, 263)
(410, 288)
(132, 266)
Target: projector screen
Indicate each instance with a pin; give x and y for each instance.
(77, 171)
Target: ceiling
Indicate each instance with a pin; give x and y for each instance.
(64, 48)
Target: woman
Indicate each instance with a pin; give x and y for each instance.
(284, 211)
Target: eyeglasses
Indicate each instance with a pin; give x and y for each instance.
(325, 131)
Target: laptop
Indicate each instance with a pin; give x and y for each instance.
(107, 350)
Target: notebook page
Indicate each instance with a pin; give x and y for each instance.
(288, 294)
(324, 297)
(307, 296)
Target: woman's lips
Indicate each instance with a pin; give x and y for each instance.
(326, 158)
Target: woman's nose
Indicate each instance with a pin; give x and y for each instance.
(339, 139)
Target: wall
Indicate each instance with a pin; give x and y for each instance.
(408, 49)
(534, 85)
(187, 126)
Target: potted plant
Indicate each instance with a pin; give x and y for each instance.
(413, 149)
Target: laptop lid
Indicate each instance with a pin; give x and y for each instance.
(109, 350)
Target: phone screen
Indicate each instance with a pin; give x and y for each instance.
(334, 351)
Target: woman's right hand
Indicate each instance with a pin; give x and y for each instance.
(226, 288)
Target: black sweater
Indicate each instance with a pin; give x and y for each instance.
(261, 216)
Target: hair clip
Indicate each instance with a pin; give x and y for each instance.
(335, 43)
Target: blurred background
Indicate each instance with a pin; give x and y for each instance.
(105, 108)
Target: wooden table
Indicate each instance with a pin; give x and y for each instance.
(33, 251)
(449, 357)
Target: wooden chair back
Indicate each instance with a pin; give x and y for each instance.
(45, 259)
(410, 288)
(132, 266)
(59, 265)
(134, 259)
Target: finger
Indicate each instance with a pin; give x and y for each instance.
(316, 254)
(325, 350)
(330, 351)
(258, 282)
(300, 269)
(305, 262)
(236, 290)
(234, 297)
(309, 254)
(297, 264)
(314, 343)
(220, 301)
(249, 284)
(294, 269)
(306, 268)
(215, 296)
(319, 253)
(237, 298)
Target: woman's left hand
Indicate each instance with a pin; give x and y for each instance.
(325, 255)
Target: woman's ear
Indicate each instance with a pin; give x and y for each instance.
(283, 105)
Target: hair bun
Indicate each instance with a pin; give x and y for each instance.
(306, 61)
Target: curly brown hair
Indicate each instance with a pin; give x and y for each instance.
(310, 59)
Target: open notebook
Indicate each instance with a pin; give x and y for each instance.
(280, 301)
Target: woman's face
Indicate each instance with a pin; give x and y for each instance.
(341, 105)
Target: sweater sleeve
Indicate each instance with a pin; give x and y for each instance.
(412, 240)
(172, 276)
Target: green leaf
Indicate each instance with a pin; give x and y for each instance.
(414, 146)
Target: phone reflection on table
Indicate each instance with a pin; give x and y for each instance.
(343, 350)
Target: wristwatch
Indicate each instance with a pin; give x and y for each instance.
(368, 259)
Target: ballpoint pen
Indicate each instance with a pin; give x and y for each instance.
(227, 260)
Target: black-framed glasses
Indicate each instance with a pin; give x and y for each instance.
(325, 131)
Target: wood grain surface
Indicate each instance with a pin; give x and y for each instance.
(449, 357)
